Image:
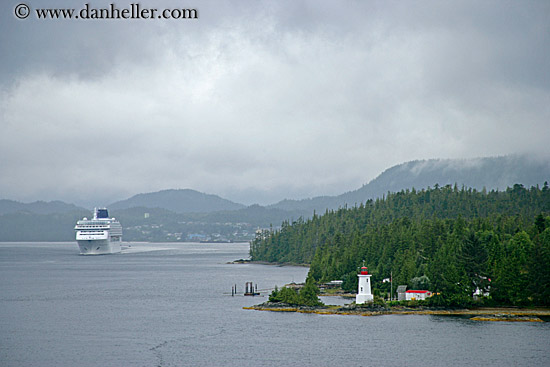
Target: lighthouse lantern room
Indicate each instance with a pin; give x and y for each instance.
(364, 293)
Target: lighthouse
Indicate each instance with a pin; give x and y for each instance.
(363, 293)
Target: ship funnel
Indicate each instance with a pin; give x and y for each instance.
(101, 213)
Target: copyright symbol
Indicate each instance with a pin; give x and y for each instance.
(22, 11)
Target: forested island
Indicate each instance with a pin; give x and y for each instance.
(455, 242)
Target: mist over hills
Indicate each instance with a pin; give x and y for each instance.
(491, 173)
(178, 215)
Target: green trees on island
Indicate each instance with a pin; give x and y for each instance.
(307, 296)
(456, 242)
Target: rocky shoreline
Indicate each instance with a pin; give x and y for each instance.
(248, 261)
(480, 314)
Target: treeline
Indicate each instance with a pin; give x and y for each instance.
(453, 241)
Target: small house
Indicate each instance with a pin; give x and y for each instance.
(412, 295)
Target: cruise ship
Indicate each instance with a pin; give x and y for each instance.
(99, 235)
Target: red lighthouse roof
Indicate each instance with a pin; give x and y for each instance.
(364, 271)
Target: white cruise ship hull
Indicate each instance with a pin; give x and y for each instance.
(100, 235)
(98, 247)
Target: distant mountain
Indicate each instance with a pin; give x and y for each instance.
(178, 201)
(155, 224)
(492, 173)
(489, 173)
(37, 207)
(26, 226)
(171, 215)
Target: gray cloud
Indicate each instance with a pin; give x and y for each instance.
(258, 101)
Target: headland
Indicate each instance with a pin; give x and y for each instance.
(476, 314)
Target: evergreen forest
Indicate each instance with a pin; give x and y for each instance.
(456, 242)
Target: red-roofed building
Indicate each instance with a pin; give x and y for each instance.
(412, 295)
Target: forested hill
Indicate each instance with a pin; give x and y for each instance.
(37, 207)
(178, 201)
(448, 239)
(490, 173)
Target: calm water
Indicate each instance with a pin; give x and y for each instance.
(171, 305)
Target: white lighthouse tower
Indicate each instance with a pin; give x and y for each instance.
(363, 294)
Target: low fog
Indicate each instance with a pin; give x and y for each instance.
(257, 101)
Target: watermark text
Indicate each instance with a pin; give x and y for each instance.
(89, 12)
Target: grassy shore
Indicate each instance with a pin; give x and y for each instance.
(478, 314)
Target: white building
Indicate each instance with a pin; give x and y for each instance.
(412, 295)
(364, 293)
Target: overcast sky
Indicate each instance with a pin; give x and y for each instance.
(257, 101)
